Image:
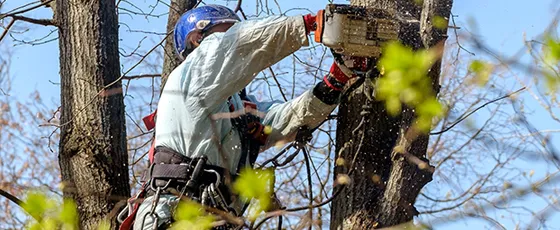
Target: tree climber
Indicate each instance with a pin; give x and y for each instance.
(200, 142)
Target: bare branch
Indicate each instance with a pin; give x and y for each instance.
(11, 197)
(9, 14)
(459, 46)
(7, 29)
(14, 199)
(43, 22)
(474, 111)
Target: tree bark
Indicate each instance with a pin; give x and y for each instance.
(93, 154)
(170, 58)
(384, 184)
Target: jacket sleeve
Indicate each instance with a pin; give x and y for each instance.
(286, 118)
(225, 63)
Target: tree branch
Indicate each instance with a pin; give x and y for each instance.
(474, 111)
(11, 197)
(7, 29)
(141, 76)
(9, 14)
(16, 200)
(43, 22)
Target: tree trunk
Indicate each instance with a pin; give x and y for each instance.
(93, 156)
(384, 184)
(170, 58)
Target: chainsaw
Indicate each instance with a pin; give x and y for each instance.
(355, 31)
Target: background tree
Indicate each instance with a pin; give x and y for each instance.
(92, 149)
(170, 59)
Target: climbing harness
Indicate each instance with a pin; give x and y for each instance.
(173, 173)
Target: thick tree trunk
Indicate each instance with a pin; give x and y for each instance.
(384, 184)
(355, 206)
(170, 58)
(406, 179)
(93, 156)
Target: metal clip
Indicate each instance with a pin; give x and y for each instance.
(153, 185)
(127, 211)
(123, 214)
(218, 176)
(217, 197)
(152, 212)
(204, 198)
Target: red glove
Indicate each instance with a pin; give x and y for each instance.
(310, 23)
(338, 74)
(343, 72)
(337, 78)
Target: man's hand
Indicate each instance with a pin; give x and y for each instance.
(342, 72)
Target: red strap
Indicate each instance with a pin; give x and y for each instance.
(150, 123)
(150, 120)
(128, 223)
(152, 151)
(129, 220)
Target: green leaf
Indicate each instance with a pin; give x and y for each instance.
(191, 215)
(256, 184)
(68, 215)
(396, 56)
(49, 224)
(37, 205)
(411, 96)
(439, 22)
(552, 82)
(482, 71)
(430, 107)
(552, 50)
(427, 111)
(35, 226)
(104, 225)
(405, 80)
(189, 210)
(393, 106)
(50, 213)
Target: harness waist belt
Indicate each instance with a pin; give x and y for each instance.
(171, 171)
(169, 164)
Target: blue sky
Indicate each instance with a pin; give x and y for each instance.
(501, 24)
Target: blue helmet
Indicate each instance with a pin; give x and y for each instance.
(200, 18)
